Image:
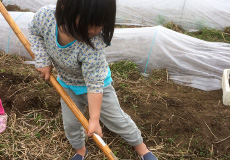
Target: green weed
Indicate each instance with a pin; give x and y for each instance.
(134, 107)
(123, 85)
(204, 33)
(161, 19)
(39, 117)
(123, 68)
(125, 98)
(211, 35)
(38, 135)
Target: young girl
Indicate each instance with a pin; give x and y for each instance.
(72, 36)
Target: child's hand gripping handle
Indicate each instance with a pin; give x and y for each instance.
(101, 142)
(56, 85)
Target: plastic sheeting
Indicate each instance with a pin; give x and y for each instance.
(9, 42)
(189, 61)
(190, 14)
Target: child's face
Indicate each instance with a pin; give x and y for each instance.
(94, 30)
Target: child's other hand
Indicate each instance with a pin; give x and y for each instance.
(94, 127)
(45, 72)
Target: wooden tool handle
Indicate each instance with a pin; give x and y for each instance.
(57, 86)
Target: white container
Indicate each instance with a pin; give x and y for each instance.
(225, 87)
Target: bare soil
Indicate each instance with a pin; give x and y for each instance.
(177, 122)
(15, 8)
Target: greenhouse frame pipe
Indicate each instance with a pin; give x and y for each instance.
(101, 144)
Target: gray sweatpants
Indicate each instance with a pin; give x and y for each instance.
(112, 116)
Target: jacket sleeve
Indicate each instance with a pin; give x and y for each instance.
(36, 39)
(94, 66)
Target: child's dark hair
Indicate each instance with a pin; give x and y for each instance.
(91, 12)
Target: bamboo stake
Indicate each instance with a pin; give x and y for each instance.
(101, 144)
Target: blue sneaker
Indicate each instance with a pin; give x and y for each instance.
(79, 157)
(149, 156)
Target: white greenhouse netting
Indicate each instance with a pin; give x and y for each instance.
(189, 61)
(190, 14)
(9, 42)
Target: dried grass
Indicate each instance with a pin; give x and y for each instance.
(29, 137)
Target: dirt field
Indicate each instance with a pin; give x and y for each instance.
(177, 122)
